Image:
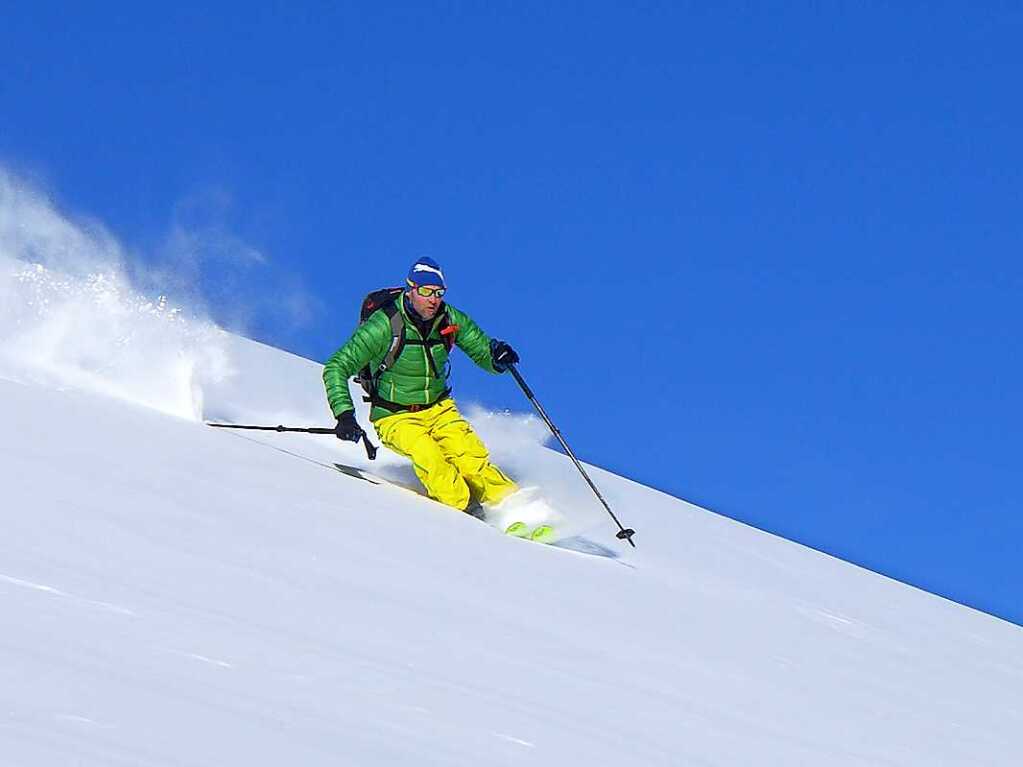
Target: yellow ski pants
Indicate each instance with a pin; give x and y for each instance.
(448, 457)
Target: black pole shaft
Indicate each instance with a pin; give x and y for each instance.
(298, 429)
(624, 532)
(371, 449)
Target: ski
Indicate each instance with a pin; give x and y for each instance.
(543, 533)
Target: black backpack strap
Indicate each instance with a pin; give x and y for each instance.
(397, 336)
(385, 300)
(396, 407)
(448, 330)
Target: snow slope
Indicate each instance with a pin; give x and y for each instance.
(172, 594)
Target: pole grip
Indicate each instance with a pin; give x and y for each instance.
(371, 449)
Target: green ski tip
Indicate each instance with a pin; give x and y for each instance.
(542, 534)
(518, 529)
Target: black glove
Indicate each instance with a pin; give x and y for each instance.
(348, 428)
(502, 355)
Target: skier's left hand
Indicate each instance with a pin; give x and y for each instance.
(502, 355)
(348, 428)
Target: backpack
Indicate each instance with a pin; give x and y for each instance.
(386, 300)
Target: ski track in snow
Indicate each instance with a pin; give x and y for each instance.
(202, 659)
(107, 606)
(513, 739)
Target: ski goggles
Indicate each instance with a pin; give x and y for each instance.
(427, 291)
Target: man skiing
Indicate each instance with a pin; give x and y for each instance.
(402, 349)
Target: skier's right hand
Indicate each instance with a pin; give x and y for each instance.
(348, 428)
(502, 355)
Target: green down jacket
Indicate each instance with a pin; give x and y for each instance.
(410, 380)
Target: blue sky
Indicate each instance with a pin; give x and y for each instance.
(766, 259)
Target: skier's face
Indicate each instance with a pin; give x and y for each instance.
(425, 306)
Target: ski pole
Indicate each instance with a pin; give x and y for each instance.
(371, 449)
(624, 533)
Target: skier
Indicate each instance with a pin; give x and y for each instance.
(402, 349)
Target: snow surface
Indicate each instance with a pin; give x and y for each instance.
(172, 594)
